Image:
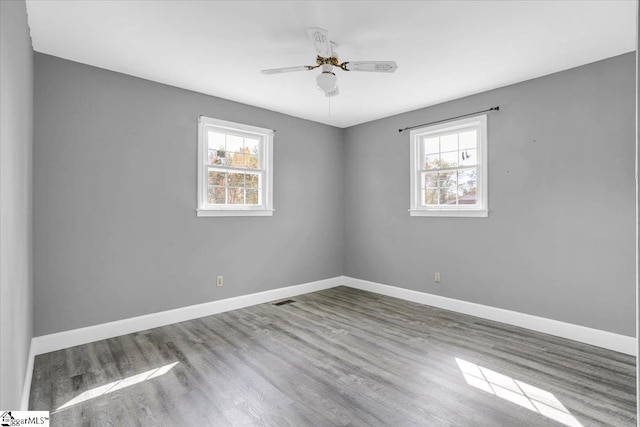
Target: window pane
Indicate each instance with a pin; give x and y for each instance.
(215, 195)
(252, 196)
(468, 140)
(467, 199)
(448, 187)
(217, 157)
(448, 180)
(448, 196)
(429, 179)
(215, 140)
(449, 143)
(431, 145)
(430, 196)
(449, 160)
(234, 143)
(235, 196)
(432, 161)
(236, 179)
(217, 178)
(251, 161)
(468, 186)
(251, 146)
(235, 160)
(212, 156)
(467, 176)
(252, 180)
(468, 157)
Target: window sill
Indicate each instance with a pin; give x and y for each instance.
(477, 213)
(233, 212)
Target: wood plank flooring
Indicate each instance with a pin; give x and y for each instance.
(339, 357)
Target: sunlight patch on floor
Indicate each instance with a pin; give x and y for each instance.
(518, 392)
(118, 385)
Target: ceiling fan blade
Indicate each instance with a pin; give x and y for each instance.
(287, 69)
(334, 92)
(320, 39)
(374, 66)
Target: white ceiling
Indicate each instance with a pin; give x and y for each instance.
(444, 49)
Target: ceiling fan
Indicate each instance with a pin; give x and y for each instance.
(327, 58)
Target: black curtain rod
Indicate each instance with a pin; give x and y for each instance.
(450, 118)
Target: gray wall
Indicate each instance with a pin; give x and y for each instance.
(16, 144)
(116, 233)
(115, 229)
(559, 241)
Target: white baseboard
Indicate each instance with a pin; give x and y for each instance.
(596, 337)
(60, 340)
(26, 387)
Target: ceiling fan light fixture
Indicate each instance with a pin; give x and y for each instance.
(326, 81)
(327, 58)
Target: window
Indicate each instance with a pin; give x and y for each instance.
(235, 176)
(449, 169)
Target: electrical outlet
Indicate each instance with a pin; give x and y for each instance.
(219, 281)
(436, 278)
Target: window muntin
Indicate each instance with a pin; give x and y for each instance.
(235, 174)
(448, 169)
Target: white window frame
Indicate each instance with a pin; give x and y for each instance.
(205, 209)
(481, 208)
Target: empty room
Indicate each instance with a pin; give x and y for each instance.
(318, 213)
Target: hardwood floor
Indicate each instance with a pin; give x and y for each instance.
(339, 357)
